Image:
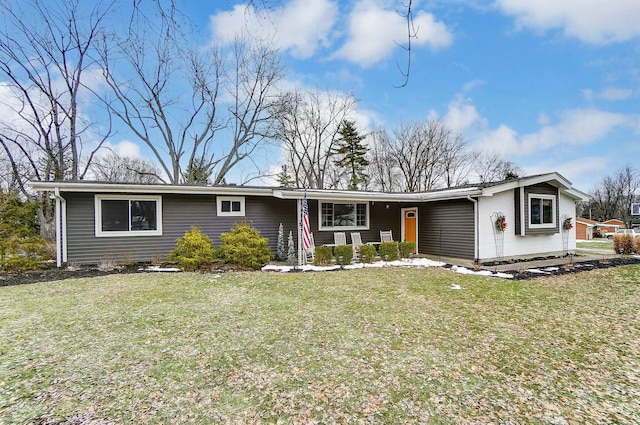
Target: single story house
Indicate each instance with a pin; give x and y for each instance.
(586, 229)
(141, 222)
(612, 225)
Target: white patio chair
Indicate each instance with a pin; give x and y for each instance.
(356, 243)
(386, 236)
(339, 238)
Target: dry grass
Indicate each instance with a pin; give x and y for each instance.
(361, 346)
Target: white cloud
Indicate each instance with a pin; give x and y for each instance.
(610, 94)
(300, 26)
(592, 21)
(576, 127)
(374, 31)
(124, 148)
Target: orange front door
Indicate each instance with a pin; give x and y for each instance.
(410, 225)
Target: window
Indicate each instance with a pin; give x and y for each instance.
(344, 216)
(230, 206)
(542, 211)
(128, 216)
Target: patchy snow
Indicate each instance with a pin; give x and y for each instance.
(464, 270)
(415, 262)
(159, 269)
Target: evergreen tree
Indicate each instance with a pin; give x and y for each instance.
(198, 172)
(280, 251)
(284, 178)
(352, 153)
(292, 250)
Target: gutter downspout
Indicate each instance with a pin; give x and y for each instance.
(61, 228)
(476, 230)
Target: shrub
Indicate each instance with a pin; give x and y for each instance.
(21, 247)
(322, 256)
(243, 245)
(623, 244)
(389, 251)
(367, 253)
(344, 251)
(636, 244)
(193, 250)
(406, 249)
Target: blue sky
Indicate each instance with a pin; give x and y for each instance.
(554, 85)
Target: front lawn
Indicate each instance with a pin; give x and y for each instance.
(603, 244)
(360, 346)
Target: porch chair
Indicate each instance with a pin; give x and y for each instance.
(339, 238)
(386, 236)
(356, 243)
(309, 253)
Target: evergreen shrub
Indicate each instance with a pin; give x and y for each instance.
(322, 256)
(344, 251)
(193, 250)
(389, 250)
(21, 247)
(243, 245)
(367, 253)
(406, 249)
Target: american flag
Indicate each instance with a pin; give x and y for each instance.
(306, 228)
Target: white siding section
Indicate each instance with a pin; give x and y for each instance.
(516, 245)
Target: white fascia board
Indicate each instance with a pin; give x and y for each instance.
(550, 178)
(151, 188)
(346, 195)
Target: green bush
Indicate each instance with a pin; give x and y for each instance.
(322, 256)
(193, 250)
(623, 244)
(367, 253)
(243, 245)
(389, 251)
(406, 249)
(344, 251)
(21, 247)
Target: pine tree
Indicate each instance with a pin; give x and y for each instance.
(352, 152)
(284, 179)
(280, 251)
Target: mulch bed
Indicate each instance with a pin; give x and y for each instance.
(519, 272)
(576, 266)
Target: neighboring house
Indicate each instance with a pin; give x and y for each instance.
(587, 229)
(611, 225)
(97, 221)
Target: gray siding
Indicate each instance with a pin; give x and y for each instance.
(446, 228)
(180, 212)
(380, 218)
(540, 189)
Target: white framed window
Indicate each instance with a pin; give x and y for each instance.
(542, 211)
(344, 216)
(231, 206)
(118, 215)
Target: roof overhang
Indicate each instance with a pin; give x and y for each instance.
(554, 179)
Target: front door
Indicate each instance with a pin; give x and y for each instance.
(410, 225)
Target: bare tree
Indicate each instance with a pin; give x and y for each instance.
(176, 96)
(45, 58)
(383, 167)
(255, 72)
(113, 167)
(612, 198)
(307, 128)
(429, 155)
(491, 166)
